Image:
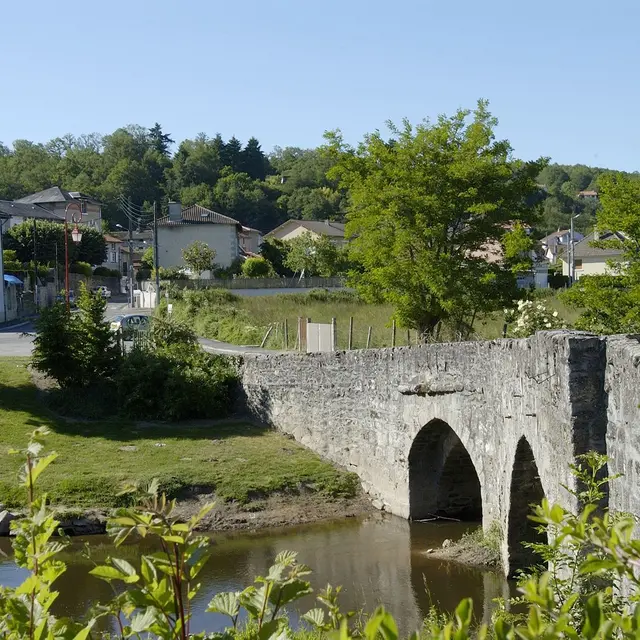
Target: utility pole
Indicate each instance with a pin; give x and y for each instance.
(156, 255)
(130, 258)
(35, 266)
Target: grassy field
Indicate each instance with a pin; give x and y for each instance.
(238, 461)
(245, 320)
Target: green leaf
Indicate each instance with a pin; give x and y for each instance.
(106, 573)
(226, 603)
(131, 575)
(464, 613)
(83, 634)
(143, 621)
(41, 465)
(381, 622)
(314, 617)
(289, 591)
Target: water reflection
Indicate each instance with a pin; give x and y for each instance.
(377, 560)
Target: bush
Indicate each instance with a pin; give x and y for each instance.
(106, 273)
(257, 268)
(171, 384)
(226, 273)
(558, 281)
(83, 268)
(76, 350)
(530, 317)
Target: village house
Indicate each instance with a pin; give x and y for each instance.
(55, 200)
(557, 242)
(293, 228)
(113, 258)
(591, 260)
(183, 226)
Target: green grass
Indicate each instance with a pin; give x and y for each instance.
(245, 320)
(238, 461)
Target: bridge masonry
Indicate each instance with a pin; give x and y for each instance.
(463, 429)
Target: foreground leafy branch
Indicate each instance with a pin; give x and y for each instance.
(589, 589)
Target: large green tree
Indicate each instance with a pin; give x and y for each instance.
(610, 303)
(49, 243)
(428, 208)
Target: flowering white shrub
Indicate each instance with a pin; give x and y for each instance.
(531, 316)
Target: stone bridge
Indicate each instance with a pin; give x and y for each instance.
(474, 430)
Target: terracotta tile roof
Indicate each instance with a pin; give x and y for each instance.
(195, 214)
(327, 227)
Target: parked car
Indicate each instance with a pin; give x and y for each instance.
(129, 324)
(105, 292)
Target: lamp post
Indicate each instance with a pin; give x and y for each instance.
(572, 251)
(76, 236)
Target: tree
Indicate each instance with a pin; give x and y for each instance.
(76, 350)
(199, 257)
(160, 141)
(426, 208)
(147, 260)
(257, 267)
(254, 163)
(313, 255)
(275, 251)
(610, 303)
(50, 243)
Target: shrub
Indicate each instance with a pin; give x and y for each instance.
(106, 272)
(558, 281)
(76, 350)
(225, 273)
(531, 316)
(83, 268)
(257, 268)
(175, 385)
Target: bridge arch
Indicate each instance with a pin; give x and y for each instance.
(442, 477)
(526, 490)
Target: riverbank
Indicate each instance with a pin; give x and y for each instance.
(256, 476)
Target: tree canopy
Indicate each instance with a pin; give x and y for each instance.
(427, 206)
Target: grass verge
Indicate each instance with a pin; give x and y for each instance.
(237, 461)
(222, 315)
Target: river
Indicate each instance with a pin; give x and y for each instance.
(376, 560)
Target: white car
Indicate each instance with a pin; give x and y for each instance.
(105, 292)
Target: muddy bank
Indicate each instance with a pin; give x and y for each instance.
(470, 550)
(272, 511)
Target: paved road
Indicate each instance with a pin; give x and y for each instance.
(18, 340)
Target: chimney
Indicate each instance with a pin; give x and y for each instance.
(175, 212)
(596, 234)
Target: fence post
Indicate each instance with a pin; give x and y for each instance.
(266, 335)
(350, 333)
(408, 337)
(285, 330)
(334, 334)
(299, 336)
(393, 333)
(369, 338)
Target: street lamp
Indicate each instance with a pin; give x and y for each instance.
(77, 209)
(572, 251)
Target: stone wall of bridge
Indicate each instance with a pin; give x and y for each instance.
(415, 423)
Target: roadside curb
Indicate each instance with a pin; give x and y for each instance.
(24, 323)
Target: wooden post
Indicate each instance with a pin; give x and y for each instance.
(408, 337)
(266, 335)
(350, 333)
(393, 333)
(369, 338)
(285, 330)
(299, 336)
(334, 334)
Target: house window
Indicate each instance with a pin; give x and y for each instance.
(113, 256)
(578, 263)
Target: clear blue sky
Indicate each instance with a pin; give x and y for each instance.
(562, 76)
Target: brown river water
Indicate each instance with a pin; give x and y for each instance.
(376, 560)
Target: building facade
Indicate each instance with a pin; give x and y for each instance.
(182, 227)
